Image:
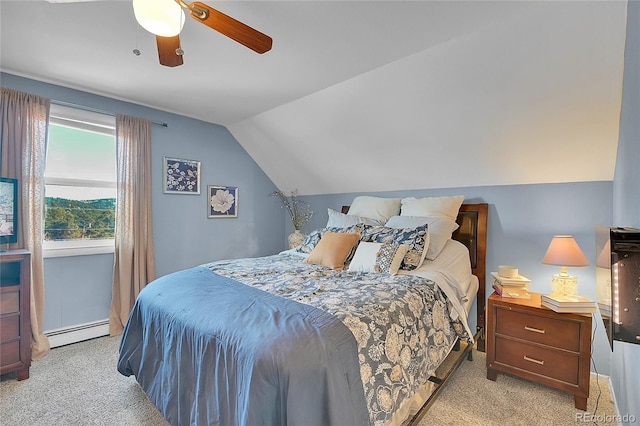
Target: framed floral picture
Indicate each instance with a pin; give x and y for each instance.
(181, 176)
(222, 201)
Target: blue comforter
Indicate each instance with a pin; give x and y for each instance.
(274, 341)
(209, 350)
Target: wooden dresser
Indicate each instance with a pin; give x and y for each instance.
(15, 328)
(535, 343)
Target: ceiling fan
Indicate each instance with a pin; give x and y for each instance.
(165, 19)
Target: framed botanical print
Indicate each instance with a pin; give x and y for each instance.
(222, 201)
(181, 176)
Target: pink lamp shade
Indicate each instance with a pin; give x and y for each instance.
(564, 251)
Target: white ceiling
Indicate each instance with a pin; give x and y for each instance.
(363, 96)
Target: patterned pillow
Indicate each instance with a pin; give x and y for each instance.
(415, 238)
(440, 230)
(378, 257)
(313, 238)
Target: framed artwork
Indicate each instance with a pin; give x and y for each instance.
(222, 201)
(181, 176)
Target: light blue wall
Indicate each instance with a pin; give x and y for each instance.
(77, 290)
(184, 236)
(522, 221)
(625, 370)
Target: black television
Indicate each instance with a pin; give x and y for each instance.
(8, 210)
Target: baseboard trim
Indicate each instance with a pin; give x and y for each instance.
(77, 333)
(611, 391)
(613, 400)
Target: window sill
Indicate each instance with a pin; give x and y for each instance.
(77, 248)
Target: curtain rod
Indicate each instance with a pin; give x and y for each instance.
(99, 111)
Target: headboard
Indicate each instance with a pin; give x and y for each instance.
(472, 219)
(472, 232)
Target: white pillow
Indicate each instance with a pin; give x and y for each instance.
(439, 230)
(398, 222)
(377, 208)
(378, 257)
(341, 220)
(445, 207)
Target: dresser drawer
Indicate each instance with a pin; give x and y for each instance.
(15, 328)
(10, 328)
(555, 332)
(546, 362)
(9, 302)
(10, 352)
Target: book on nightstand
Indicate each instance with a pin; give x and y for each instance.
(511, 291)
(518, 281)
(568, 303)
(516, 288)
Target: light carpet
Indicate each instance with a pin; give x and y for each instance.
(79, 385)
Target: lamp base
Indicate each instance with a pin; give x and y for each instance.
(564, 284)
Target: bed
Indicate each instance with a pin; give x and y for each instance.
(276, 340)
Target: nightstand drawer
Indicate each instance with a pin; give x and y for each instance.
(550, 363)
(555, 332)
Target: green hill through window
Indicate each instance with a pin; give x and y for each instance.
(79, 219)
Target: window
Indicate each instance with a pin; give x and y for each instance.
(80, 183)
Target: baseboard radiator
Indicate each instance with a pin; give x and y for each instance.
(77, 333)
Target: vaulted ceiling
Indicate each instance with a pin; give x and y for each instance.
(360, 96)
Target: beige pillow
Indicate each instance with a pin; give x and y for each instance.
(333, 249)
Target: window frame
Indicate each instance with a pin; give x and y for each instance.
(89, 121)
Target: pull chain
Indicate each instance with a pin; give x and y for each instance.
(136, 51)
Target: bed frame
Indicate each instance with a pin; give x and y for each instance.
(472, 232)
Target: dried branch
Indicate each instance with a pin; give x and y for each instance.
(299, 211)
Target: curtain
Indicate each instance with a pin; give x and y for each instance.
(134, 265)
(24, 126)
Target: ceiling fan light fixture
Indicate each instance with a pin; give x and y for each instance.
(164, 18)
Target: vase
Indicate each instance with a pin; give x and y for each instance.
(296, 238)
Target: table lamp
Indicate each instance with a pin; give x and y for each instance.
(564, 251)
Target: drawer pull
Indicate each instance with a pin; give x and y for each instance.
(537, 361)
(535, 330)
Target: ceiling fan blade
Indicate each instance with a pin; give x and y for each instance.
(167, 47)
(232, 28)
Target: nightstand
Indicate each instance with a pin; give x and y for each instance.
(527, 340)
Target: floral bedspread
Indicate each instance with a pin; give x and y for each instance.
(401, 323)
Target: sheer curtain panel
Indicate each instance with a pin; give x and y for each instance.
(134, 265)
(25, 121)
